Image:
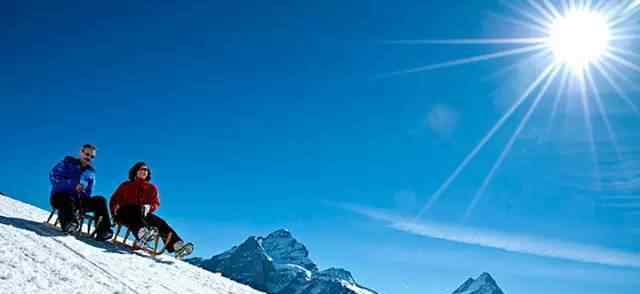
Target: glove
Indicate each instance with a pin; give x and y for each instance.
(146, 209)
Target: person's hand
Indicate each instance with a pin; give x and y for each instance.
(146, 209)
(79, 188)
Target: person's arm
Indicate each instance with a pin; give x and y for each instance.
(114, 202)
(155, 199)
(60, 180)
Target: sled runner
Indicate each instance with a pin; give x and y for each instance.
(89, 217)
(149, 246)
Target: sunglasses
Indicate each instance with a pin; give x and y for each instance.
(89, 155)
(143, 168)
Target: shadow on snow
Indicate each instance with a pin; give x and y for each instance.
(44, 230)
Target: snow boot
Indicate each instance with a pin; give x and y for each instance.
(146, 234)
(70, 226)
(182, 249)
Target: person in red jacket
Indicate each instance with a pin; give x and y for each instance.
(133, 204)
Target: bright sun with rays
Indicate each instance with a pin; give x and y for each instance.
(584, 42)
(579, 38)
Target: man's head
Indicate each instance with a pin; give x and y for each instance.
(87, 154)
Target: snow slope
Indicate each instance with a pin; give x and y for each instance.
(35, 258)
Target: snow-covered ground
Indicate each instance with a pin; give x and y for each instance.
(35, 258)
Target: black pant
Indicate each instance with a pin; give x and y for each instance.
(132, 217)
(70, 207)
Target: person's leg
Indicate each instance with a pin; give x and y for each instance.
(98, 205)
(130, 216)
(164, 230)
(65, 205)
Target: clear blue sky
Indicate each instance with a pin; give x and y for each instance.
(258, 115)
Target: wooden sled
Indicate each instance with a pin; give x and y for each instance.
(91, 231)
(136, 245)
(89, 217)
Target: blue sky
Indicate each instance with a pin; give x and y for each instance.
(260, 115)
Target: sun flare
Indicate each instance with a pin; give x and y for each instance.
(593, 39)
(579, 38)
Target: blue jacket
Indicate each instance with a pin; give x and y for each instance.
(68, 173)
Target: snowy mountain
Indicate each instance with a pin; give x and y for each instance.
(484, 284)
(279, 264)
(35, 258)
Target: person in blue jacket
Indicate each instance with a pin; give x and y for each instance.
(72, 181)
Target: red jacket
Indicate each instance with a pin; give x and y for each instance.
(137, 192)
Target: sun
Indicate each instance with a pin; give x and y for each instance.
(579, 38)
(578, 44)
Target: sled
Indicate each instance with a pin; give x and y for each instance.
(90, 230)
(152, 250)
(88, 216)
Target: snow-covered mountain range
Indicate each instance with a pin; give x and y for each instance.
(35, 258)
(279, 264)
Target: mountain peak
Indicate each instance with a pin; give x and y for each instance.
(486, 278)
(251, 243)
(280, 233)
(249, 259)
(484, 284)
(279, 264)
(283, 248)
